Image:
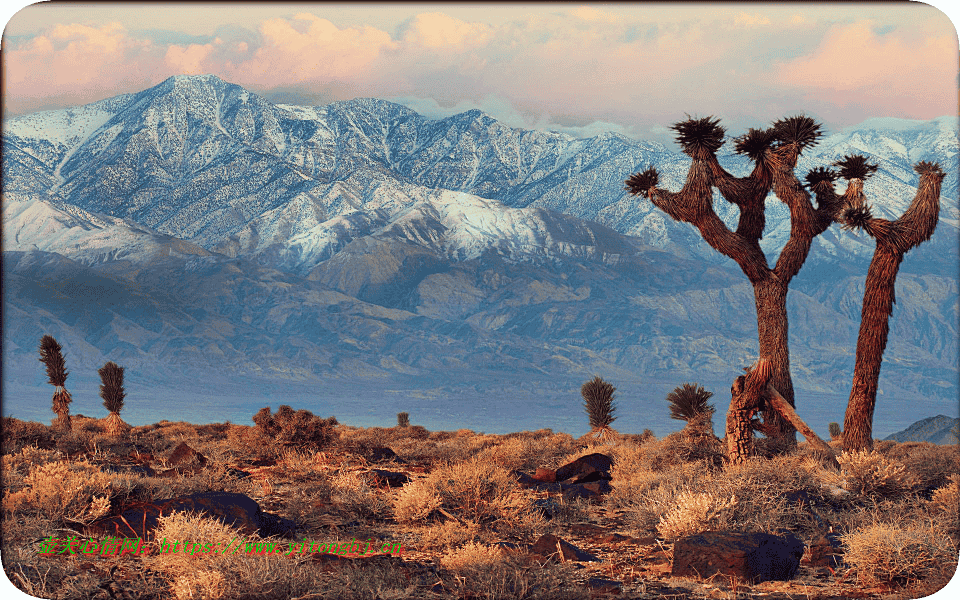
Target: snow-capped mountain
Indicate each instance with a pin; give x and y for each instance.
(360, 240)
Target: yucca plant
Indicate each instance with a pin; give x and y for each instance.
(598, 402)
(51, 356)
(835, 431)
(403, 419)
(111, 390)
(689, 402)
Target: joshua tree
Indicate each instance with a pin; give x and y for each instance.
(835, 431)
(774, 152)
(894, 239)
(111, 390)
(689, 401)
(403, 419)
(598, 402)
(52, 357)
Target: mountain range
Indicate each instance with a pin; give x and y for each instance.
(201, 235)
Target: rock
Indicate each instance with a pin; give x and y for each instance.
(545, 475)
(589, 490)
(525, 481)
(238, 473)
(390, 478)
(604, 586)
(825, 551)
(550, 546)
(585, 465)
(753, 557)
(185, 455)
(237, 510)
(383, 454)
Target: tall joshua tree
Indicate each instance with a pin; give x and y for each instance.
(51, 356)
(111, 390)
(598, 402)
(774, 152)
(894, 239)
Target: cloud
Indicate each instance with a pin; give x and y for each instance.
(890, 74)
(439, 31)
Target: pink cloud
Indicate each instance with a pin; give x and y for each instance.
(886, 74)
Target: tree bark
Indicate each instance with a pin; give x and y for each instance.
(771, 300)
(894, 239)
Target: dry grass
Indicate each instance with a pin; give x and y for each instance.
(901, 501)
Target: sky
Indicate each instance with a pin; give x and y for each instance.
(632, 68)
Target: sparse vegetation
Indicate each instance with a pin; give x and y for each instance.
(111, 390)
(51, 356)
(295, 428)
(463, 518)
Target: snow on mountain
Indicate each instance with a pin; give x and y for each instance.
(360, 239)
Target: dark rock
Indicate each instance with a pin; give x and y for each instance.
(608, 586)
(825, 551)
(236, 510)
(752, 557)
(383, 454)
(390, 478)
(545, 475)
(550, 546)
(525, 481)
(589, 490)
(546, 506)
(238, 473)
(585, 465)
(590, 477)
(185, 455)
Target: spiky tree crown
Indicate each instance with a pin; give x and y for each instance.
(52, 357)
(598, 401)
(754, 143)
(923, 167)
(855, 166)
(641, 183)
(689, 401)
(821, 176)
(699, 136)
(111, 390)
(856, 216)
(801, 130)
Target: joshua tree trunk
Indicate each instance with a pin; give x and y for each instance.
(775, 152)
(893, 239)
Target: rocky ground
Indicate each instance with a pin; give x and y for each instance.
(527, 515)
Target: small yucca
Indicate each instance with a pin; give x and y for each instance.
(51, 356)
(598, 402)
(403, 419)
(689, 401)
(111, 390)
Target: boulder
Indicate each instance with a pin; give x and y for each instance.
(753, 557)
(545, 475)
(237, 510)
(585, 465)
(389, 478)
(552, 547)
(589, 490)
(383, 454)
(185, 455)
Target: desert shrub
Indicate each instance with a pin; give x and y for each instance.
(598, 396)
(201, 574)
(354, 493)
(475, 491)
(487, 572)
(526, 451)
(689, 401)
(929, 466)
(900, 553)
(77, 490)
(448, 534)
(694, 512)
(16, 434)
(403, 419)
(873, 474)
(945, 504)
(213, 431)
(300, 427)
